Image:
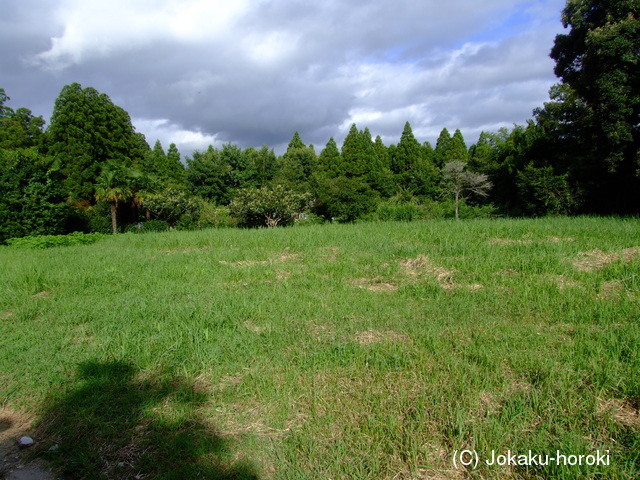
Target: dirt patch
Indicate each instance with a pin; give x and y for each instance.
(6, 315)
(375, 285)
(374, 336)
(620, 410)
(13, 425)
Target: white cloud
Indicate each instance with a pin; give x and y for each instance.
(254, 71)
(104, 28)
(167, 132)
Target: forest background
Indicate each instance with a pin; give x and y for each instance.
(90, 171)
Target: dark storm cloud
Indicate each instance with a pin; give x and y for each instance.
(252, 72)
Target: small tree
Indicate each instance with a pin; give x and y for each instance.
(459, 182)
(113, 186)
(270, 206)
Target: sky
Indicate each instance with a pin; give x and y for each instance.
(252, 72)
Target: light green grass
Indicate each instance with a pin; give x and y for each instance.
(336, 351)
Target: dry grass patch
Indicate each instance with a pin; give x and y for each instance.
(285, 256)
(563, 282)
(331, 255)
(416, 267)
(560, 240)
(611, 289)
(375, 285)
(620, 410)
(13, 424)
(322, 332)
(257, 329)
(597, 259)
(43, 294)
(509, 241)
(374, 336)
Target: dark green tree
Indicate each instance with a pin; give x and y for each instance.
(31, 201)
(207, 176)
(86, 131)
(330, 160)
(20, 129)
(443, 145)
(598, 59)
(296, 167)
(414, 172)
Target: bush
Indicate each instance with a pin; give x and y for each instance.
(154, 226)
(398, 211)
(212, 216)
(50, 241)
(307, 219)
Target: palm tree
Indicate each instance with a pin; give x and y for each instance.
(113, 187)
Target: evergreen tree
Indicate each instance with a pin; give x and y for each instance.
(458, 148)
(295, 168)
(86, 131)
(441, 155)
(206, 176)
(330, 161)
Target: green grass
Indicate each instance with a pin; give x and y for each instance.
(338, 351)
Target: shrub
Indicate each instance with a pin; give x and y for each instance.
(154, 226)
(50, 241)
(212, 216)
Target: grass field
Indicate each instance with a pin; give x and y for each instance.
(338, 351)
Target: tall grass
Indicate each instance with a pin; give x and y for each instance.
(336, 351)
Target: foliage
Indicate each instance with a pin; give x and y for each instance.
(544, 192)
(171, 204)
(38, 242)
(345, 199)
(460, 182)
(20, 129)
(113, 186)
(213, 216)
(154, 226)
(268, 206)
(86, 131)
(31, 201)
(597, 61)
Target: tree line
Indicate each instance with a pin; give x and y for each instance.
(89, 170)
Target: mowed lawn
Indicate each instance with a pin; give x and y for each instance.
(363, 351)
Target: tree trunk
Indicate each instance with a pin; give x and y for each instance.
(457, 199)
(114, 224)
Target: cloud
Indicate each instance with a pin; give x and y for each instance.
(254, 71)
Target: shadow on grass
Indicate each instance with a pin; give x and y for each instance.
(116, 425)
